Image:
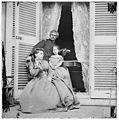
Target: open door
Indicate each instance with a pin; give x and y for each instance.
(24, 33)
(102, 51)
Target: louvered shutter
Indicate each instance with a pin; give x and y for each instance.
(9, 35)
(22, 50)
(103, 30)
(23, 34)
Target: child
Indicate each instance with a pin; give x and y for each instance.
(55, 60)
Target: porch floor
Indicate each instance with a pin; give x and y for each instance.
(85, 111)
(90, 108)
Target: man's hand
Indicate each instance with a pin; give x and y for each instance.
(64, 51)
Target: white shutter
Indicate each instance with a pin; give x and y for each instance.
(27, 18)
(102, 51)
(105, 22)
(9, 35)
(23, 32)
(28, 21)
(13, 64)
(22, 50)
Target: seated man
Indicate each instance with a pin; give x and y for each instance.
(47, 44)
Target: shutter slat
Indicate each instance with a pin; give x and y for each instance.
(29, 34)
(105, 63)
(13, 63)
(109, 80)
(105, 22)
(27, 19)
(28, 4)
(24, 51)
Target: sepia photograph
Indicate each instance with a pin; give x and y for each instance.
(59, 59)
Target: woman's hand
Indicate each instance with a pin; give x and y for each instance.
(49, 79)
(52, 67)
(37, 63)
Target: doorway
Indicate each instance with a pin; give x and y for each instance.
(66, 40)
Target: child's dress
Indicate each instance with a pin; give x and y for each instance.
(61, 71)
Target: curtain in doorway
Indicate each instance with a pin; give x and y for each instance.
(51, 13)
(80, 16)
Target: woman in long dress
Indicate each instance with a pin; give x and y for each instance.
(55, 62)
(45, 91)
(60, 77)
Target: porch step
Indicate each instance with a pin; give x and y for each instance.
(85, 99)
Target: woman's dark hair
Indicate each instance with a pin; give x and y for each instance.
(35, 52)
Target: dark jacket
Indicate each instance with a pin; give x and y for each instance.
(47, 45)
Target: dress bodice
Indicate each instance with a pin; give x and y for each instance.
(41, 71)
(55, 60)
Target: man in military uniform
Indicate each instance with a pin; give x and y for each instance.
(47, 44)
